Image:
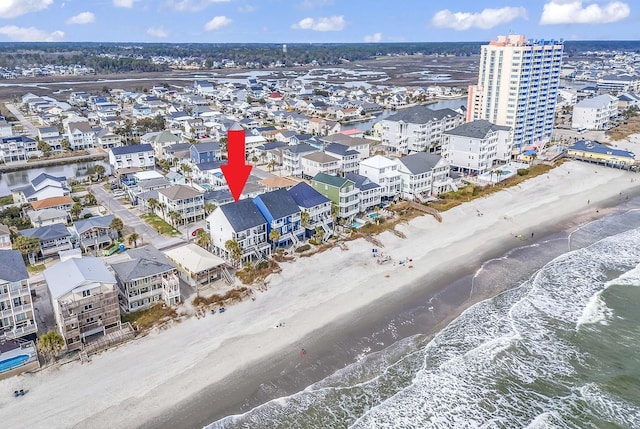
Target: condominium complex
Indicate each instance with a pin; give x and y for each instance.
(518, 87)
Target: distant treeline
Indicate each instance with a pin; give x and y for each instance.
(126, 57)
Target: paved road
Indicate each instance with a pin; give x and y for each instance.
(132, 220)
(28, 126)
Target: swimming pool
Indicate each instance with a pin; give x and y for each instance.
(373, 215)
(207, 186)
(356, 224)
(14, 362)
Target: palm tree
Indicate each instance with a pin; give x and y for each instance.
(209, 207)
(117, 225)
(153, 204)
(50, 344)
(133, 239)
(305, 218)
(203, 239)
(163, 207)
(75, 210)
(175, 218)
(28, 246)
(185, 168)
(99, 170)
(271, 165)
(235, 251)
(274, 236)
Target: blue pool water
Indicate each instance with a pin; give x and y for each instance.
(373, 215)
(14, 362)
(206, 186)
(356, 225)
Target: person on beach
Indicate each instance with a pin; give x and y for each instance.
(303, 352)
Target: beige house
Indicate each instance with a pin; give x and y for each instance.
(84, 296)
(198, 267)
(5, 237)
(183, 199)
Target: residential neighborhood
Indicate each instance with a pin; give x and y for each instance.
(153, 225)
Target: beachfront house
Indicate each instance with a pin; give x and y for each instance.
(52, 239)
(417, 129)
(17, 317)
(369, 192)
(137, 155)
(423, 175)
(184, 200)
(474, 147)
(84, 297)
(93, 233)
(384, 172)
(198, 267)
(594, 113)
(145, 277)
(282, 215)
(342, 193)
(316, 205)
(592, 151)
(242, 223)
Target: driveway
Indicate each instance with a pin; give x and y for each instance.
(28, 126)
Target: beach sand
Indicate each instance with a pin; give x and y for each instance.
(202, 369)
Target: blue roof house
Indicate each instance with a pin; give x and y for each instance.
(316, 205)
(205, 152)
(283, 215)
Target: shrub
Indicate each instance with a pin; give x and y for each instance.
(523, 171)
(88, 215)
(303, 248)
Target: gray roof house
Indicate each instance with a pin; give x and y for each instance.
(146, 277)
(53, 238)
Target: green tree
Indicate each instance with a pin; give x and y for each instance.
(28, 246)
(203, 239)
(175, 218)
(274, 236)
(235, 251)
(50, 344)
(90, 200)
(186, 169)
(209, 207)
(271, 165)
(75, 210)
(99, 170)
(65, 144)
(133, 239)
(44, 147)
(305, 218)
(153, 204)
(117, 225)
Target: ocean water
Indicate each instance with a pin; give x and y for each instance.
(560, 348)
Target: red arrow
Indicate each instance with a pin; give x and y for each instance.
(236, 172)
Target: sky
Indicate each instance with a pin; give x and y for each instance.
(314, 21)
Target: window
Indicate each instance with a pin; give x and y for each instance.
(88, 307)
(86, 292)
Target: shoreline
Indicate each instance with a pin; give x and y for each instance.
(141, 383)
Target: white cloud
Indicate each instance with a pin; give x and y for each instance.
(246, 9)
(124, 3)
(574, 12)
(30, 34)
(486, 19)
(329, 23)
(157, 32)
(82, 18)
(192, 5)
(13, 8)
(373, 38)
(310, 4)
(217, 23)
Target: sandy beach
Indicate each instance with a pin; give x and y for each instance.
(172, 374)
